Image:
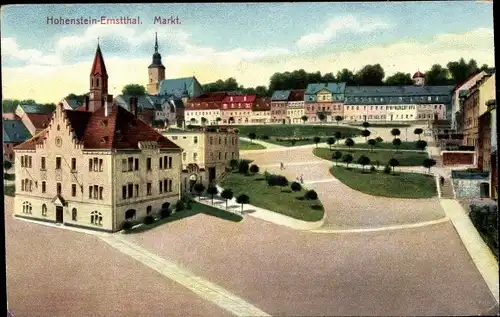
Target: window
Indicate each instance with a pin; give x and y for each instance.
(195, 156)
(96, 192)
(58, 163)
(44, 210)
(130, 164)
(90, 165)
(165, 162)
(160, 186)
(211, 140)
(124, 192)
(96, 218)
(91, 188)
(148, 164)
(100, 165)
(42, 163)
(27, 208)
(169, 185)
(22, 161)
(73, 190)
(136, 190)
(101, 189)
(169, 162)
(161, 163)
(184, 156)
(149, 210)
(29, 161)
(130, 190)
(165, 186)
(148, 189)
(220, 155)
(136, 167)
(195, 139)
(59, 188)
(73, 214)
(225, 156)
(220, 140)
(44, 187)
(73, 164)
(124, 165)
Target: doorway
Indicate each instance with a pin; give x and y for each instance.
(284, 121)
(211, 174)
(484, 190)
(59, 214)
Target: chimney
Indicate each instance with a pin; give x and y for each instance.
(86, 105)
(133, 105)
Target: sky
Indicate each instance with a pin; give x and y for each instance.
(250, 42)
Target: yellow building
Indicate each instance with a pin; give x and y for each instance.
(206, 154)
(487, 91)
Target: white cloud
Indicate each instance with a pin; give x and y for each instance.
(345, 24)
(249, 67)
(31, 56)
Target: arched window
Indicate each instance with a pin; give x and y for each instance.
(96, 218)
(44, 210)
(27, 208)
(149, 210)
(130, 214)
(58, 127)
(74, 214)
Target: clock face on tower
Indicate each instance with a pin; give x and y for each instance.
(58, 141)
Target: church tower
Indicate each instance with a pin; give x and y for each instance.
(98, 82)
(418, 79)
(156, 71)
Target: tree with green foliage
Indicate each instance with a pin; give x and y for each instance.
(321, 117)
(393, 163)
(395, 132)
(363, 161)
(338, 135)
(338, 119)
(243, 167)
(418, 131)
(379, 139)
(366, 124)
(372, 143)
(331, 141)
(428, 163)
(370, 75)
(421, 145)
(203, 120)
(199, 188)
(336, 156)
(399, 79)
(437, 75)
(252, 136)
(311, 195)
(366, 133)
(349, 143)
(396, 143)
(212, 191)
(347, 159)
(254, 169)
(304, 118)
(316, 140)
(219, 119)
(296, 187)
(134, 90)
(7, 165)
(227, 194)
(233, 164)
(243, 199)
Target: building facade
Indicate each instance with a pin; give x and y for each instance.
(14, 133)
(261, 112)
(325, 98)
(206, 154)
(237, 109)
(279, 102)
(156, 71)
(295, 107)
(205, 109)
(96, 168)
(471, 116)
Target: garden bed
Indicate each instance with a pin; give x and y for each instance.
(383, 157)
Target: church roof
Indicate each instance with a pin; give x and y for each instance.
(14, 131)
(176, 86)
(119, 130)
(98, 67)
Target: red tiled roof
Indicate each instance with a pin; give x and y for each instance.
(262, 104)
(98, 67)
(209, 97)
(297, 95)
(418, 74)
(239, 98)
(40, 120)
(31, 143)
(119, 130)
(203, 106)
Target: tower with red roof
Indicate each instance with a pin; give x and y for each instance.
(419, 79)
(98, 82)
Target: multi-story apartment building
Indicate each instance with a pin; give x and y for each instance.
(206, 154)
(326, 98)
(295, 108)
(96, 168)
(261, 112)
(237, 109)
(471, 111)
(205, 109)
(279, 102)
(406, 103)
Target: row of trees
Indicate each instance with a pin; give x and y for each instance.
(10, 105)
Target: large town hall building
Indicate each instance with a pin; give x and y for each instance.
(97, 167)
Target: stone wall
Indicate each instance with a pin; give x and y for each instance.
(468, 185)
(458, 157)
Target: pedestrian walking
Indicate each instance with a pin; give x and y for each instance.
(301, 179)
(441, 180)
(282, 166)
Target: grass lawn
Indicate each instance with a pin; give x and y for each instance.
(399, 185)
(382, 125)
(196, 208)
(404, 158)
(382, 145)
(246, 146)
(287, 130)
(273, 198)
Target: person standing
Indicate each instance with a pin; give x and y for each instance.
(282, 166)
(301, 179)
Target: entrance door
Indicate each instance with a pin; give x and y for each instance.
(211, 174)
(284, 121)
(59, 214)
(484, 190)
(391, 117)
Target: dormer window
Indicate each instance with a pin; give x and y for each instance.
(104, 139)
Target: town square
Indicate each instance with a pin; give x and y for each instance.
(317, 169)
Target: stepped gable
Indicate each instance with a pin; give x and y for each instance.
(31, 143)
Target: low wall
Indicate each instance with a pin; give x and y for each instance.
(458, 158)
(467, 184)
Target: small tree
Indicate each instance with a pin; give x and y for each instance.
(203, 120)
(366, 133)
(227, 194)
(421, 145)
(251, 136)
(366, 125)
(363, 160)
(428, 163)
(321, 117)
(296, 187)
(233, 164)
(218, 120)
(396, 143)
(418, 132)
(395, 132)
(304, 118)
(316, 140)
(393, 163)
(311, 195)
(254, 169)
(199, 188)
(212, 191)
(347, 159)
(349, 143)
(372, 143)
(336, 156)
(338, 119)
(331, 141)
(7, 165)
(243, 167)
(338, 135)
(193, 120)
(293, 141)
(243, 199)
(379, 139)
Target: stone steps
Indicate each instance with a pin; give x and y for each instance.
(447, 190)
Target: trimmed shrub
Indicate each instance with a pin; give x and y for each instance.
(233, 164)
(372, 169)
(165, 213)
(243, 167)
(387, 169)
(296, 187)
(311, 195)
(254, 169)
(148, 220)
(277, 180)
(179, 206)
(127, 225)
(265, 137)
(9, 177)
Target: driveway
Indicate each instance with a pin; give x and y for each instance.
(345, 207)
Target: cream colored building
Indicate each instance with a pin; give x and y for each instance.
(487, 91)
(194, 116)
(71, 173)
(206, 153)
(295, 114)
(259, 116)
